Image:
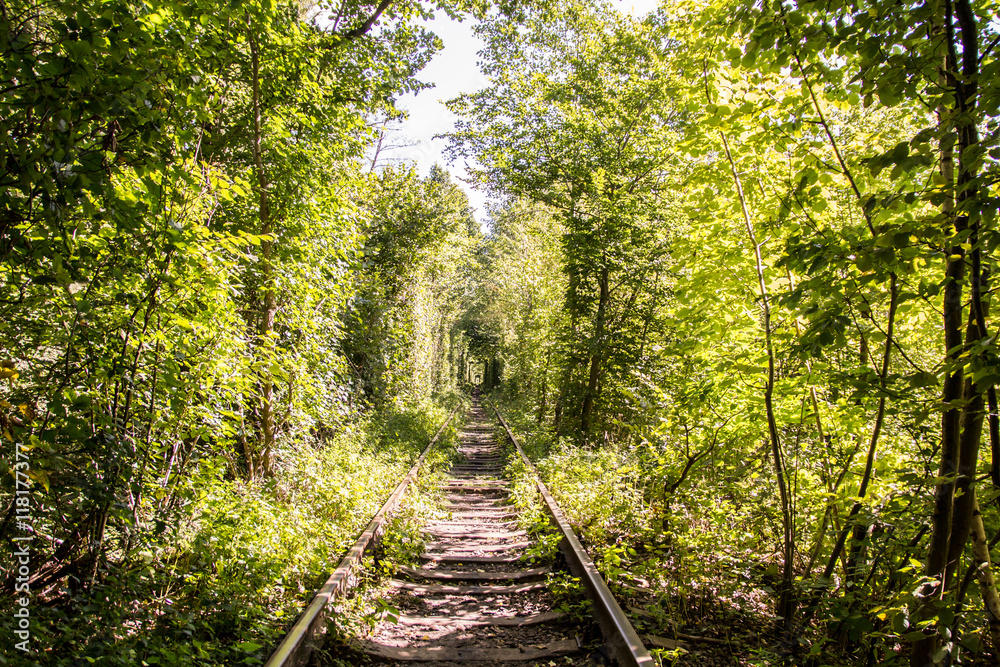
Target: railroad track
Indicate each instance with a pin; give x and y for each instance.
(471, 598)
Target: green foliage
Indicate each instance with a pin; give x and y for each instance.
(248, 557)
(758, 208)
(570, 598)
(182, 236)
(574, 121)
(711, 293)
(417, 261)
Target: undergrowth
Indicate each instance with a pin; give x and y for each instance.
(357, 614)
(223, 581)
(668, 569)
(567, 591)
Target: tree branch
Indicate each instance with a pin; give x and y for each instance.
(367, 25)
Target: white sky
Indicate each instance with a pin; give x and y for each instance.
(454, 70)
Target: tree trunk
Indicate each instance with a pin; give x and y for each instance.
(543, 390)
(561, 399)
(597, 350)
(991, 394)
(95, 546)
(924, 651)
(855, 551)
(984, 573)
(968, 460)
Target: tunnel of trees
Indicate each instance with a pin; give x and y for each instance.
(734, 292)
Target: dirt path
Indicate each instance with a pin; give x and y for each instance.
(471, 600)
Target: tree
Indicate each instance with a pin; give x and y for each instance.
(576, 119)
(178, 241)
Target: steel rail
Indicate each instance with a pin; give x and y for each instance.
(620, 637)
(298, 645)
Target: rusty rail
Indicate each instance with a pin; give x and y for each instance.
(620, 637)
(298, 645)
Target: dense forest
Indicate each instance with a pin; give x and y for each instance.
(733, 293)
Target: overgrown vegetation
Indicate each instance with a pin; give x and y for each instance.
(217, 360)
(736, 294)
(223, 583)
(357, 615)
(739, 294)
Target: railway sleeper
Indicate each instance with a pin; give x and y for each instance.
(433, 653)
(471, 600)
(474, 575)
